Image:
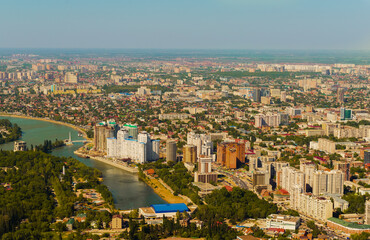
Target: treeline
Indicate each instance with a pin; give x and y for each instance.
(357, 124)
(236, 205)
(356, 202)
(48, 146)
(170, 227)
(132, 88)
(39, 192)
(13, 131)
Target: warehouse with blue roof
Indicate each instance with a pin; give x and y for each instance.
(160, 210)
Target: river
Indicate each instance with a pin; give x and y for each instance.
(128, 192)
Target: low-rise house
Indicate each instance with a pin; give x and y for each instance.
(276, 221)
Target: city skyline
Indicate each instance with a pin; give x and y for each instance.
(207, 24)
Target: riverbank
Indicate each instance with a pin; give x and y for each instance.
(128, 191)
(154, 184)
(79, 129)
(163, 192)
(112, 163)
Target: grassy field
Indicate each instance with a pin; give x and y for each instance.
(163, 192)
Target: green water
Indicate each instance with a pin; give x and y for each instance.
(128, 192)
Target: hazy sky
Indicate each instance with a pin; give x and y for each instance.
(196, 24)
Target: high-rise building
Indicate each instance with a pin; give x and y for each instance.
(326, 145)
(320, 208)
(283, 96)
(345, 114)
(364, 131)
(327, 182)
(291, 177)
(256, 95)
(260, 178)
(132, 130)
(295, 192)
(143, 91)
(258, 120)
(367, 212)
(204, 173)
(344, 167)
(340, 95)
(308, 168)
(270, 119)
(190, 154)
(203, 143)
(171, 149)
(275, 93)
(266, 100)
(205, 165)
(230, 154)
(141, 150)
(71, 78)
(102, 131)
(292, 111)
(366, 157)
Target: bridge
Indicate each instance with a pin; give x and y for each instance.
(83, 141)
(69, 141)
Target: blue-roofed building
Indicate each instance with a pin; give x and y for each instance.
(166, 208)
(160, 210)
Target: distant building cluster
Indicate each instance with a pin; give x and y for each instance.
(271, 119)
(202, 142)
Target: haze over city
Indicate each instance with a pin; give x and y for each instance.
(190, 24)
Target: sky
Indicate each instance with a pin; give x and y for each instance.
(186, 24)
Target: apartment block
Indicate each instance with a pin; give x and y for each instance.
(230, 154)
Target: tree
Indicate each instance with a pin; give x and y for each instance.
(315, 230)
(362, 236)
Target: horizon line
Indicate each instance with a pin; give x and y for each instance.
(199, 49)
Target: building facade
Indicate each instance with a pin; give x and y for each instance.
(189, 154)
(230, 154)
(171, 150)
(142, 150)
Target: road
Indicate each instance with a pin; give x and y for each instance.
(237, 180)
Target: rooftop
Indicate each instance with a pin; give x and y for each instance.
(147, 210)
(349, 224)
(130, 125)
(167, 208)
